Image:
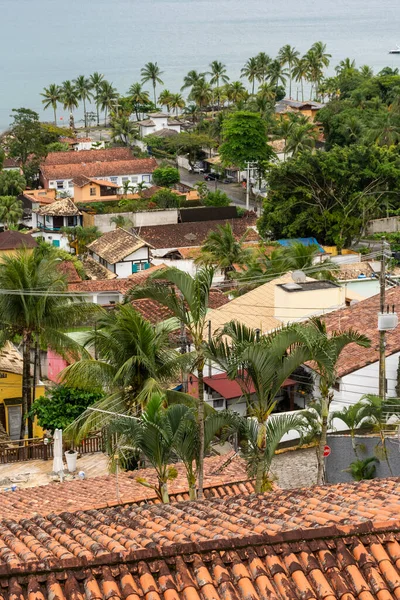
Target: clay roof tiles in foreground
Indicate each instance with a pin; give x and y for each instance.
(363, 317)
(11, 240)
(64, 207)
(323, 543)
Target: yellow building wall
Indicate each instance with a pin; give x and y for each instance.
(13, 251)
(11, 388)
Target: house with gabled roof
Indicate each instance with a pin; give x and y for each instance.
(121, 252)
(51, 218)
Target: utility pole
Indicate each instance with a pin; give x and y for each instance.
(209, 340)
(382, 332)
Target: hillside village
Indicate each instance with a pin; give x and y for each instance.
(200, 350)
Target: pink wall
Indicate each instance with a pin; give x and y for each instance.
(55, 364)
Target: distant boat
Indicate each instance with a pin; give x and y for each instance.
(395, 50)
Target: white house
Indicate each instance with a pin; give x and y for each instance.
(157, 122)
(116, 165)
(121, 252)
(48, 221)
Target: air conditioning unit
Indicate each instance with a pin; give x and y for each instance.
(387, 321)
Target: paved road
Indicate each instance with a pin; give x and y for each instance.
(235, 192)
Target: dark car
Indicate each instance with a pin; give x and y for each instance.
(212, 176)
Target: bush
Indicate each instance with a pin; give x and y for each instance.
(216, 198)
(62, 405)
(166, 176)
(166, 199)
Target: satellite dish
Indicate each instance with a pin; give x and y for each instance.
(354, 302)
(299, 277)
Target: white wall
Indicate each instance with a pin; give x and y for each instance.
(51, 236)
(67, 185)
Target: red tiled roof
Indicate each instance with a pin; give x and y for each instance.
(326, 543)
(133, 166)
(194, 234)
(11, 240)
(114, 285)
(230, 388)
(363, 317)
(67, 268)
(100, 492)
(87, 156)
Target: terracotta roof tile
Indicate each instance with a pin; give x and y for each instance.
(64, 207)
(363, 317)
(114, 285)
(194, 234)
(67, 268)
(133, 166)
(115, 245)
(11, 240)
(10, 359)
(87, 156)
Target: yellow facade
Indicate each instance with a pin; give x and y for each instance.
(11, 403)
(91, 192)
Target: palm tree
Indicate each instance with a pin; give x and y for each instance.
(177, 102)
(277, 74)
(133, 361)
(12, 183)
(251, 71)
(69, 98)
(301, 138)
(165, 99)
(385, 129)
(79, 237)
(267, 91)
(235, 92)
(192, 111)
(287, 55)
(300, 72)
(51, 97)
(121, 221)
(366, 71)
(345, 65)
(352, 417)
(222, 249)
(201, 93)
(188, 302)
(191, 79)
(37, 315)
(11, 211)
(362, 469)
(107, 98)
(218, 74)
(263, 62)
(152, 72)
(83, 86)
(138, 97)
(97, 80)
(123, 130)
(326, 348)
(260, 367)
(317, 59)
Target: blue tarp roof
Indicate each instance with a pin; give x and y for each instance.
(310, 241)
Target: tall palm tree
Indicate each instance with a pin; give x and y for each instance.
(52, 96)
(300, 72)
(287, 55)
(260, 367)
(97, 79)
(11, 211)
(345, 65)
(187, 300)
(235, 92)
(218, 75)
(326, 348)
(267, 91)
(317, 59)
(201, 93)
(366, 71)
(385, 129)
(165, 99)
(263, 62)
(301, 138)
(138, 97)
(222, 249)
(38, 308)
(251, 71)
(134, 360)
(152, 72)
(277, 74)
(177, 103)
(107, 98)
(123, 130)
(12, 183)
(192, 111)
(69, 98)
(353, 417)
(191, 79)
(83, 86)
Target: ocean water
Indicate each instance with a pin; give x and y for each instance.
(46, 41)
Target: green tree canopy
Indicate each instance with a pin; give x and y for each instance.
(12, 183)
(244, 137)
(165, 176)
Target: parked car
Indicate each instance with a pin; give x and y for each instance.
(197, 168)
(212, 176)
